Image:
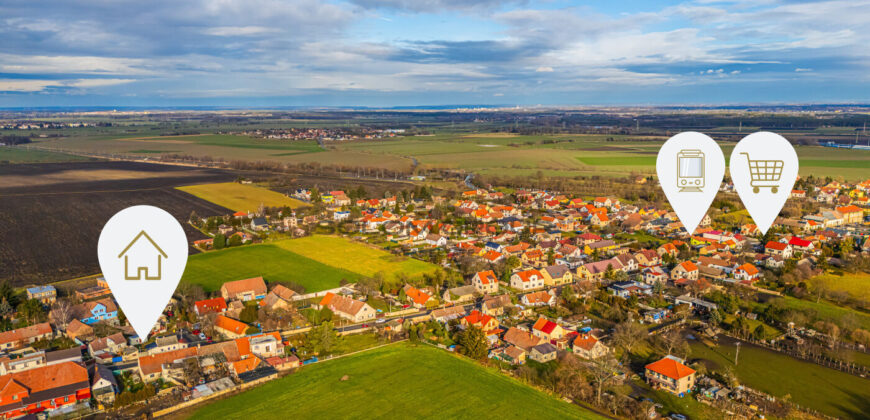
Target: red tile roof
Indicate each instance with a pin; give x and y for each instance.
(487, 277)
(217, 304)
(231, 325)
(544, 325)
(779, 246)
(670, 368)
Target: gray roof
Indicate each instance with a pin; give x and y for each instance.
(557, 270)
(545, 348)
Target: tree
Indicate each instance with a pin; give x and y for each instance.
(32, 310)
(603, 371)
(322, 338)
(473, 342)
(61, 313)
(758, 333)
(235, 240)
(220, 241)
(248, 314)
(628, 334)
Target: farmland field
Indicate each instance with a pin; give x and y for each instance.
(240, 197)
(388, 383)
(856, 284)
(52, 213)
(488, 153)
(832, 392)
(211, 269)
(19, 155)
(356, 257)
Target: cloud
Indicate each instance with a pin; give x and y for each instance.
(435, 5)
(32, 85)
(544, 69)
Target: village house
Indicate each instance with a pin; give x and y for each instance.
(459, 294)
(45, 294)
(156, 366)
(495, 306)
(445, 315)
(480, 320)
(210, 306)
(548, 330)
(79, 331)
(671, 375)
(685, 270)
(107, 347)
(543, 353)
(45, 388)
(522, 339)
(23, 337)
(653, 275)
(625, 289)
(280, 297)
(557, 275)
(230, 327)
(527, 280)
(485, 282)
(104, 387)
(347, 308)
(778, 249)
(596, 271)
(96, 311)
(416, 297)
(540, 298)
(588, 347)
(746, 273)
(244, 290)
(166, 343)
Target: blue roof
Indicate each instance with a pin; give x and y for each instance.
(40, 289)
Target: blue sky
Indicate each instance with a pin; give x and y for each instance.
(431, 52)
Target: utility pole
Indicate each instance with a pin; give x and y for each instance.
(737, 353)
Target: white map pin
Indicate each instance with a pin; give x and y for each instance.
(763, 167)
(690, 167)
(142, 252)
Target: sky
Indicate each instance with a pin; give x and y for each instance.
(380, 53)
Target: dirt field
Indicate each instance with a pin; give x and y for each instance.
(51, 225)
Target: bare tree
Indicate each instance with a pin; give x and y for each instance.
(603, 371)
(628, 334)
(62, 313)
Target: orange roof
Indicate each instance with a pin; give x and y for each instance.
(689, 266)
(418, 296)
(229, 324)
(779, 246)
(477, 318)
(492, 255)
(585, 342)
(525, 276)
(848, 209)
(255, 284)
(217, 304)
(25, 333)
(749, 269)
(487, 277)
(246, 365)
(152, 363)
(43, 378)
(670, 368)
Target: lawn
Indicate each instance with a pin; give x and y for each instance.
(829, 391)
(826, 310)
(275, 264)
(356, 257)
(240, 197)
(856, 284)
(398, 381)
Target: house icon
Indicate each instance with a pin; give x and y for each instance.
(143, 260)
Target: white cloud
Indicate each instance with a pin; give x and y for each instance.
(544, 69)
(238, 30)
(33, 85)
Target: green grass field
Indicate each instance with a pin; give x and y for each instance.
(352, 256)
(398, 381)
(856, 284)
(826, 310)
(17, 155)
(211, 269)
(240, 197)
(829, 391)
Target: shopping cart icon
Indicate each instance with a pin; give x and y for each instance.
(764, 173)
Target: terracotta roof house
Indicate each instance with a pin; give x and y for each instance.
(589, 347)
(778, 249)
(671, 375)
(448, 314)
(485, 282)
(230, 327)
(548, 330)
(43, 388)
(79, 331)
(153, 367)
(208, 306)
(348, 308)
(280, 297)
(245, 290)
(746, 273)
(416, 297)
(527, 280)
(478, 319)
(539, 298)
(685, 269)
(495, 305)
(22, 337)
(522, 339)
